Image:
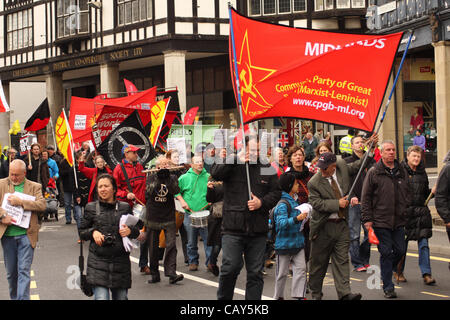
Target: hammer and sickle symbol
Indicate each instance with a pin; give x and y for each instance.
(247, 87)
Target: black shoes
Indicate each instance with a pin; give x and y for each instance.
(175, 279)
(390, 294)
(352, 296)
(213, 269)
(154, 279)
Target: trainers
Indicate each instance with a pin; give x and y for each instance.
(175, 279)
(390, 294)
(361, 269)
(193, 267)
(367, 266)
(145, 270)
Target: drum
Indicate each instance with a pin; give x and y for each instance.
(199, 219)
(139, 211)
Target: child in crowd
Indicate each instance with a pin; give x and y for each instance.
(290, 242)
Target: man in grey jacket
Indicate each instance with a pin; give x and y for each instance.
(329, 232)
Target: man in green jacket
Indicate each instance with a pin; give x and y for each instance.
(192, 196)
(329, 232)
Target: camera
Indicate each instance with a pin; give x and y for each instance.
(109, 239)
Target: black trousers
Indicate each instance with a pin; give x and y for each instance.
(170, 256)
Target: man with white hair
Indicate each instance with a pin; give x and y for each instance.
(386, 194)
(19, 242)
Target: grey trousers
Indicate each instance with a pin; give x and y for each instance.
(298, 287)
(333, 241)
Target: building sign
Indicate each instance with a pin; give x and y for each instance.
(75, 63)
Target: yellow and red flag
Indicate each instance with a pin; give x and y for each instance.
(64, 137)
(330, 77)
(158, 113)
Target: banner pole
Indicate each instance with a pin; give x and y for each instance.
(239, 100)
(384, 114)
(71, 148)
(53, 131)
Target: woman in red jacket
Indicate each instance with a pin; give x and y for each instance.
(93, 173)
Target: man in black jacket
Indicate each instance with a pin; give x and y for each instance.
(160, 191)
(359, 252)
(385, 197)
(442, 200)
(245, 222)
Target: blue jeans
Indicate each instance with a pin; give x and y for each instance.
(236, 249)
(359, 253)
(424, 256)
(77, 211)
(68, 199)
(18, 255)
(192, 234)
(102, 293)
(392, 248)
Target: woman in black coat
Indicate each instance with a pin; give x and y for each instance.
(108, 264)
(419, 224)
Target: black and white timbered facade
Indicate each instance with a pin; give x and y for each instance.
(83, 48)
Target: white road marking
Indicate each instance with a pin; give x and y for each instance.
(415, 255)
(203, 281)
(435, 294)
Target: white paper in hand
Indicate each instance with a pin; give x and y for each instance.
(127, 244)
(304, 207)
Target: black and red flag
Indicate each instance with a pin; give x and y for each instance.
(40, 118)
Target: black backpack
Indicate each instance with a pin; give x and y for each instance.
(272, 231)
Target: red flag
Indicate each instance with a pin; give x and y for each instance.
(330, 77)
(4, 107)
(131, 88)
(190, 116)
(111, 116)
(84, 112)
(40, 118)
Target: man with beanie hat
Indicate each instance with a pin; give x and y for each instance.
(329, 232)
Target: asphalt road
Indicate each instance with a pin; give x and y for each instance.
(54, 273)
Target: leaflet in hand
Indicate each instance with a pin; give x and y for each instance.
(304, 207)
(20, 217)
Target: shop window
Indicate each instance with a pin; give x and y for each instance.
(219, 75)
(197, 81)
(72, 17)
(132, 11)
(19, 30)
(208, 79)
(188, 82)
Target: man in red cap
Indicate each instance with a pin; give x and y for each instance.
(131, 188)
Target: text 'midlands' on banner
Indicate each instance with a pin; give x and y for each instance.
(299, 73)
